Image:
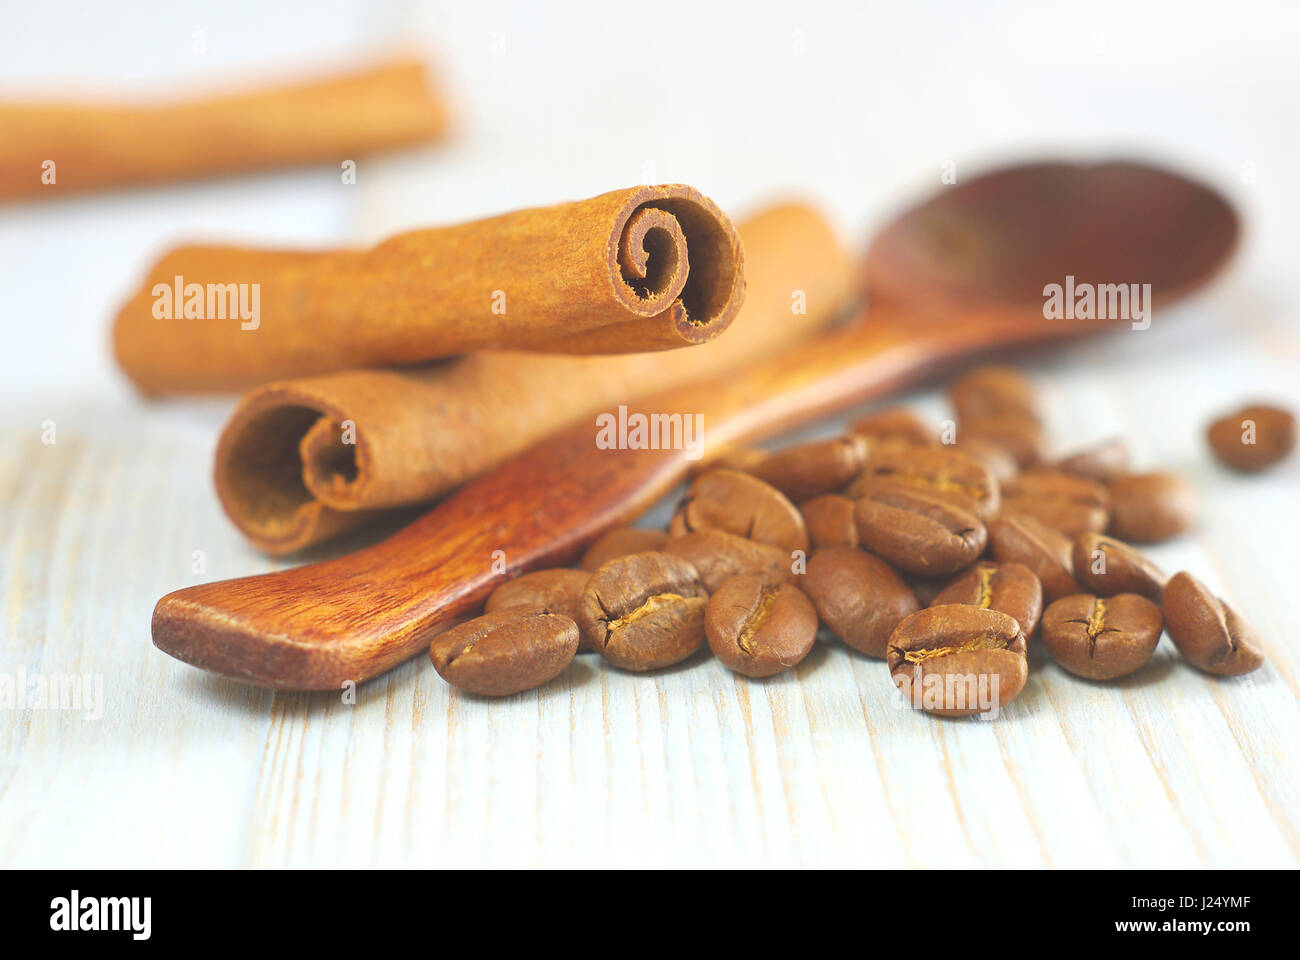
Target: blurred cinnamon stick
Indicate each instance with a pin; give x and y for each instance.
(645, 268)
(335, 118)
(302, 461)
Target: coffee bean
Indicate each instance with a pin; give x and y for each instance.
(957, 660)
(619, 542)
(740, 504)
(1102, 638)
(1254, 438)
(1019, 435)
(894, 423)
(644, 611)
(1009, 588)
(917, 532)
(743, 459)
(718, 555)
(1150, 507)
(1046, 552)
(938, 471)
(808, 470)
(1059, 500)
(999, 462)
(857, 596)
(829, 520)
(759, 629)
(1207, 631)
(1102, 462)
(992, 391)
(506, 651)
(1106, 566)
(556, 591)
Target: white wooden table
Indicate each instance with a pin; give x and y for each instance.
(858, 108)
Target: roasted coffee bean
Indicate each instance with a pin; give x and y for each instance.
(621, 541)
(993, 391)
(829, 520)
(938, 471)
(1253, 438)
(644, 611)
(506, 651)
(1059, 500)
(1150, 507)
(917, 532)
(1019, 435)
(1102, 462)
(957, 659)
(857, 596)
(808, 470)
(718, 555)
(1102, 638)
(556, 591)
(740, 504)
(1106, 566)
(894, 423)
(1207, 631)
(743, 459)
(1047, 552)
(1009, 588)
(999, 462)
(759, 629)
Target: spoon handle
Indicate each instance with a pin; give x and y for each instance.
(318, 626)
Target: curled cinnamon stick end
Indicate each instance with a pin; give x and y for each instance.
(335, 118)
(302, 461)
(641, 269)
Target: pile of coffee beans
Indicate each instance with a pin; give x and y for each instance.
(943, 553)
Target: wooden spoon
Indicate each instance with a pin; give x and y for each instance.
(961, 274)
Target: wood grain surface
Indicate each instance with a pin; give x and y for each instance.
(691, 766)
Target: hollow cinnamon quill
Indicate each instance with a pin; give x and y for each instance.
(51, 148)
(301, 461)
(645, 268)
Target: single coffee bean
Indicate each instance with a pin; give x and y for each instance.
(957, 660)
(644, 611)
(1254, 438)
(1102, 462)
(999, 462)
(718, 555)
(557, 591)
(740, 504)
(619, 542)
(1150, 507)
(1019, 435)
(506, 651)
(759, 629)
(941, 472)
(1015, 538)
(857, 596)
(1207, 631)
(810, 469)
(744, 459)
(1106, 566)
(894, 423)
(829, 520)
(1102, 638)
(993, 391)
(917, 532)
(1059, 500)
(1009, 588)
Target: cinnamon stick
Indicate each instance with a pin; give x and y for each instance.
(336, 118)
(645, 268)
(302, 461)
